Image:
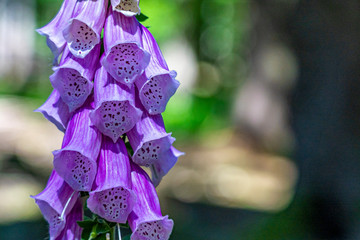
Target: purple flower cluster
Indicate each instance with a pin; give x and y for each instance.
(98, 99)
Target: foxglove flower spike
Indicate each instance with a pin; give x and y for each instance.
(53, 30)
(125, 59)
(115, 113)
(73, 78)
(56, 111)
(52, 200)
(76, 161)
(146, 220)
(83, 31)
(157, 85)
(112, 197)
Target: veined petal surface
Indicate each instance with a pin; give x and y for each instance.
(124, 59)
(112, 197)
(56, 111)
(73, 78)
(76, 160)
(146, 220)
(53, 30)
(52, 200)
(115, 112)
(83, 31)
(157, 85)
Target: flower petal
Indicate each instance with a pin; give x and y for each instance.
(56, 111)
(112, 197)
(73, 78)
(76, 161)
(146, 220)
(83, 31)
(125, 60)
(166, 161)
(158, 84)
(127, 7)
(72, 231)
(115, 113)
(53, 30)
(52, 200)
(149, 139)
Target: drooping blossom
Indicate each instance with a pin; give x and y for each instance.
(76, 160)
(112, 197)
(127, 7)
(73, 77)
(53, 30)
(83, 30)
(115, 112)
(157, 85)
(146, 220)
(55, 202)
(124, 59)
(167, 160)
(56, 111)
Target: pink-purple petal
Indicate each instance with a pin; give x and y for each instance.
(83, 31)
(157, 85)
(115, 113)
(112, 197)
(73, 78)
(56, 111)
(146, 220)
(166, 161)
(72, 231)
(52, 200)
(125, 59)
(53, 30)
(76, 161)
(149, 139)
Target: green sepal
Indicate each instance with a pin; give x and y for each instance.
(141, 17)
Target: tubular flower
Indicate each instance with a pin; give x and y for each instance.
(73, 78)
(157, 85)
(76, 160)
(112, 197)
(55, 202)
(125, 59)
(149, 140)
(146, 220)
(56, 111)
(115, 113)
(83, 31)
(108, 107)
(53, 30)
(127, 7)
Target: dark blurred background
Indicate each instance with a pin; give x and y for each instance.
(268, 113)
